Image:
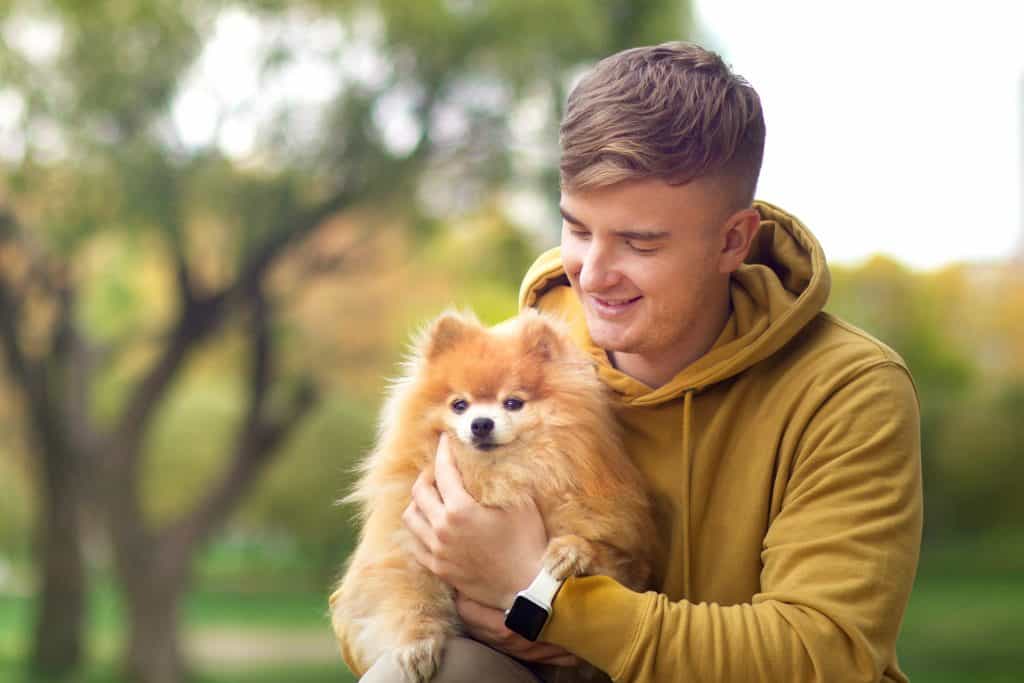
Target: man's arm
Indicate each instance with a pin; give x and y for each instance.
(838, 564)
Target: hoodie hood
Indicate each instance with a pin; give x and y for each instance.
(782, 285)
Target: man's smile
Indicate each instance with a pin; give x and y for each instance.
(608, 306)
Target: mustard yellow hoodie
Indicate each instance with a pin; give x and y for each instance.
(785, 468)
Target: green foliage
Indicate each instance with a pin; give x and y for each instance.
(113, 306)
(970, 413)
(904, 311)
(121, 84)
(486, 257)
(190, 442)
(296, 501)
(16, 513)
(978, 456)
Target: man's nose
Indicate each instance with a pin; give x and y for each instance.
(597, 272)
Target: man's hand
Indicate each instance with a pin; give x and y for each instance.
(486, 554)
(487, 625)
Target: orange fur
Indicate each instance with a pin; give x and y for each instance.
(562, 448)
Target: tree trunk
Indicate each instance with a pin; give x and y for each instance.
(60, 614)
(153, 651)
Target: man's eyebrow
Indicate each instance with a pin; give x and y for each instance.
(628, 234)
(569, 217)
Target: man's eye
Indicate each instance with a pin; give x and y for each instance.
(580, 234)
(513, 403)
(459, 406)
(641, 250)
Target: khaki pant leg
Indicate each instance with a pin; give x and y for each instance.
(464, 661)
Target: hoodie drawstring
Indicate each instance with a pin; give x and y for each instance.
(687, 490)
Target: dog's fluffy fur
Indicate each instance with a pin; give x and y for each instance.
(561, 447)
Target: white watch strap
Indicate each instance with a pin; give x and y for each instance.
(543, 589)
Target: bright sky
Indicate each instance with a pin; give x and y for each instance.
(893, 126)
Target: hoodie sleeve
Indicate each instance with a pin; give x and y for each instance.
(839, 560)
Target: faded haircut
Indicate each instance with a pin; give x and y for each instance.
(673, 111)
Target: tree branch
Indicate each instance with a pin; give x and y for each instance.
(28, 374)
(195, 324)
(76, 360)
(258, 440)
(183, 276)
(253, 271)
(200, 318)
(22, 370)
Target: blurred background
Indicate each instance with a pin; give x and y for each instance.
(220, 222)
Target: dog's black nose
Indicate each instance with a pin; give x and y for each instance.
(482, 426)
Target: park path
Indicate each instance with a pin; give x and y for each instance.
(226, 646)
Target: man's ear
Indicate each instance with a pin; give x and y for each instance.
(448, 330)
(543, 337)
(740, 230)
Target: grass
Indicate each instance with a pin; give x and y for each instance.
(223, 624)
(963, 625)
(964, 628)
(12, 672)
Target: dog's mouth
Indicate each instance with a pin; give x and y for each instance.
(485, 445)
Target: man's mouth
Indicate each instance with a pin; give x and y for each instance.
(609, 306)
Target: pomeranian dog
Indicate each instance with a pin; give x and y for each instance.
(526, 417)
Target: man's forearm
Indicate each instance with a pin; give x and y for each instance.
(647, 637)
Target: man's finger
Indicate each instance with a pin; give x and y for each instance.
(564, 659)
(421, 530)
(420, 552)
(539, 651)
(529, 651)
(428, 500)
(483, 621)
(446, 474)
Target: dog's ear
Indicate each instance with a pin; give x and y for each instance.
(447, 331)
(542, 337)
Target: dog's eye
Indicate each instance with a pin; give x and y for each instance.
(459, 406)
(513, 403)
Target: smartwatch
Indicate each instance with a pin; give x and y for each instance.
(532, 606)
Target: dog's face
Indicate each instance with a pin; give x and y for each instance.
(487, 422)
(494, 387)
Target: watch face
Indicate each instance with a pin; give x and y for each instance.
(526, 618)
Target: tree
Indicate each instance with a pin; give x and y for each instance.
(100, 92)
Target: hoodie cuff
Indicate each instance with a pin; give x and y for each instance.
(598, 619)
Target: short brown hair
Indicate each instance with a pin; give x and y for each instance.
(673, 111)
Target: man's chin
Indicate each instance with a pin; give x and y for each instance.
(609, 337)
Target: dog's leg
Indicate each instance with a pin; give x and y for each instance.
(572, 555)
(568, 555)
(427, 623)
(393, 607)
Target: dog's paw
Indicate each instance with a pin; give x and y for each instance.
(567, 556)
(420, 660)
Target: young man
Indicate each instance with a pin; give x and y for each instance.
(781, 445)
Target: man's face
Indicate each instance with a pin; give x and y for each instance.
(644, 258)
